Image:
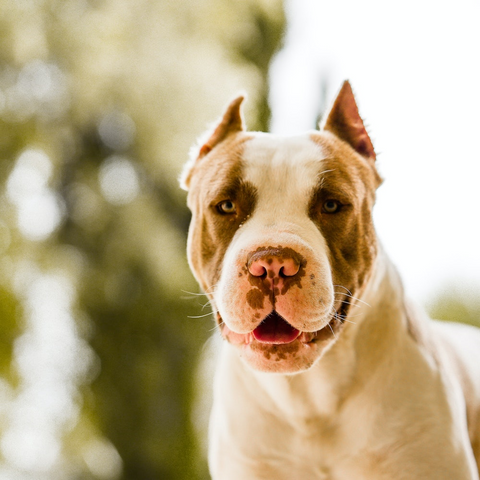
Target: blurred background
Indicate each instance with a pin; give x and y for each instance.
(102, 330)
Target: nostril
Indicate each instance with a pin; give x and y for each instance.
(273, 266)
(257, 269)
(290, 268)
(262, 273)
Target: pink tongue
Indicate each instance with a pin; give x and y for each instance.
(274, 329)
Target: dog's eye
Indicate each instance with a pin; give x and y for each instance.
(227, 207)
(331, 206)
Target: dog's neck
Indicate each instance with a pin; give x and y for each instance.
(364, 345)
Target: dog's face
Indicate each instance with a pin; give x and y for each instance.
(281, 235)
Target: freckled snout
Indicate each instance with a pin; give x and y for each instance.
(273, 281)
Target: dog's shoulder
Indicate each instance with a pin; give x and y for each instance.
(455, 343)
(461, 354)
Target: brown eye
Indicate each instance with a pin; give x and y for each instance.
(331, 206)
(227, 207)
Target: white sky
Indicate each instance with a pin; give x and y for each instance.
(415, 68)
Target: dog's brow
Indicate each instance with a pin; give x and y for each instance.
(321, 178)
(229, 189)
(335, 187)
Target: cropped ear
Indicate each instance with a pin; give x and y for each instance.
(345, 122)
(231, 122)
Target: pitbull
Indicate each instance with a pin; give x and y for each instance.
(327, 371)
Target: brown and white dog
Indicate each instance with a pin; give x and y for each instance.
(327, 372)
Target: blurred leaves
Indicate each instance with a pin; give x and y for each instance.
(100, 101)
(456, 304)
(9, 313)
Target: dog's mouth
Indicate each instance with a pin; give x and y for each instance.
(277, 346)
(274, 329)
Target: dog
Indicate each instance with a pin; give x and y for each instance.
(327, 371)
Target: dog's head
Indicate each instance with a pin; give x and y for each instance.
(281, 237)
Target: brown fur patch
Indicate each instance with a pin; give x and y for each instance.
(216, 178)
(351, 180)
(276, 352)
(255, 298)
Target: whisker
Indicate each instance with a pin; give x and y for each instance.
(216, 326)
(361, 301)
(345, 288)
(195, 294)
(344, 317)
(204, 294)
(349, 294)
(192, 295)
(351, 316)
(347, 303)
(202, 316)
(332, 331)
(208, 304)
(187, 297)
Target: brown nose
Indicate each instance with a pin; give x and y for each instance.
(273, 262)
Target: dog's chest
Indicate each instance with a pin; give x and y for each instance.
(256, 434)
(280, 452)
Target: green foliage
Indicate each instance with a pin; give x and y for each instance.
(10, 319)
(455, 304)
(99, 104)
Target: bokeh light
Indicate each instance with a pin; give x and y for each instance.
(39, 209)
(118, 180)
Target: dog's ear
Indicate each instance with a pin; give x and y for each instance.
(231, 122)
(345, 122)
